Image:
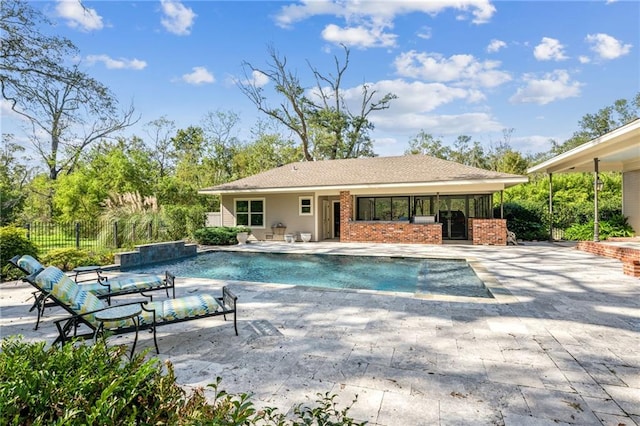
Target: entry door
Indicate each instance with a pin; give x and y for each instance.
(326, 219)
(336, 219)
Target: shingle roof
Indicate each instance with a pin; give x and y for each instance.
(409, 169)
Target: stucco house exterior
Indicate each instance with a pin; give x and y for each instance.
(402, 199)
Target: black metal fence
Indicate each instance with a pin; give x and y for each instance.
(94, 235)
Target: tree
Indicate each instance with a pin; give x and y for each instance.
(72, 114)
(220, 134)
(14, 177)
(162, 151)
(324, 108)
(595, 125)
(25, 52)
(426, 144)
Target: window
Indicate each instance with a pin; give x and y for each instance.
(383, 208)
(250, 213)
(306, 206)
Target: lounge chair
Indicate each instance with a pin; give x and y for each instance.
(104, 288)
(87, 309)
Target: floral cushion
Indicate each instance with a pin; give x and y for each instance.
(29, 264)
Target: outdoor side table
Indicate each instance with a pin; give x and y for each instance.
(87, 270)
(117, 313)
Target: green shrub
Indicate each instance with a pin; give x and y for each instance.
(93, 384)
(617, 226)
(527, 220)
(69, 258)
(13, 242)
(219, 235)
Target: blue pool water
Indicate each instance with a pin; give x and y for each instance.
(412, 275)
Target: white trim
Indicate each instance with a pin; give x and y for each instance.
(310, 206)
(264, 212)
(492, 185)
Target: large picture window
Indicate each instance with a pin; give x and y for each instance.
(250, 213)
(383, 208)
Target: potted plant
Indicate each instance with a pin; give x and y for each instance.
(243, 234)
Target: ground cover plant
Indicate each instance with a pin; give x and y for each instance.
(82, 384)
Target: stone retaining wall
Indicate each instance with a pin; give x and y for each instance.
(154, 253)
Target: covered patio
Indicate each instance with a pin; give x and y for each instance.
(619, 151)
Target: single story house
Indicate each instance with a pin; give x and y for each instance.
(402, 199)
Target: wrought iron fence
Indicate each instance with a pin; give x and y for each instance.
(94, 235)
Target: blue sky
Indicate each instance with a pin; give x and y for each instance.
(471, 67)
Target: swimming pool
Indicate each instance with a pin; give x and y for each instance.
(399, 274)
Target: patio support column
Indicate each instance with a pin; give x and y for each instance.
(596, 222)
(550, 207)
(501, 204)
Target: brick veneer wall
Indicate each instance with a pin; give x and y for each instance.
(630, 257)
(384, 232)
(488, 231)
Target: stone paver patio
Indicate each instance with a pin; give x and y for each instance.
(559, 344)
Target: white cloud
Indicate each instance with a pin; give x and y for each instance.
(607, 47)
(495, 45)
(584, 59)
(424, 33)
(413, 97)
(549, 49)
(78, 15)
(551, 87)
(200, 75)
(177, 18)
(480, 11)
(463, 69)
(359, 36)
(449, 125)
(117, 64)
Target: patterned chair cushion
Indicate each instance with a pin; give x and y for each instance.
(181, 308)
(171, 310)
(46, 279)
(70, 294)
(130, 282)
(29, 264)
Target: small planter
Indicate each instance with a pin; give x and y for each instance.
(242, 237)
(305, 237)
(290, 238)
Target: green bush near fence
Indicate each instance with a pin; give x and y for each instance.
(93, 384)
(69, 258)
(219, 235)
(13, 242)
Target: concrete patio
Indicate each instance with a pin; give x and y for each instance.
(559, 343)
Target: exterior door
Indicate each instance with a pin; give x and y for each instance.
(326, 219)
(336, 219)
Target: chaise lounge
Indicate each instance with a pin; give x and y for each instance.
(104, 288)
(88, 310)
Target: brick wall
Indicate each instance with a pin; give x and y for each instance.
(384, 232)
(392, 232)
(488, 231)
(629, 256)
